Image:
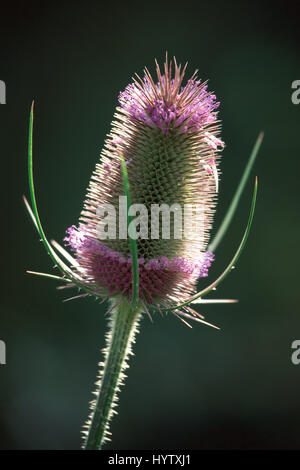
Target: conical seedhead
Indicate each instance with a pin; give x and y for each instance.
(167, 134)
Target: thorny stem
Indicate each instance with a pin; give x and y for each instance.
(123, 327)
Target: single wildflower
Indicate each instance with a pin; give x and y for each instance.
(163, 149)
(168, 134)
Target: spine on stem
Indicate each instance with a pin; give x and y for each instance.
(123, 326)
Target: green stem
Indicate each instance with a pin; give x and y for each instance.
(123, 327)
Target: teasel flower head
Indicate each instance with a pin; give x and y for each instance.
(162, 154)
(167, 132)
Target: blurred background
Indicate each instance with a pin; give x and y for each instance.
(187, 388)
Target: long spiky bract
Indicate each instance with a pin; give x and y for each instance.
(232, 263)
(163, 149)
(132, 241)
(69, 275)
(234, 203)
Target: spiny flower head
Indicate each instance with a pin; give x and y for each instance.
(168, 135)
(167, 104)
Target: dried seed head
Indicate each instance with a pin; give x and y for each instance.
(168, 136)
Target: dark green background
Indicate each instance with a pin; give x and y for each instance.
(197, 388)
